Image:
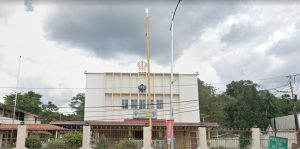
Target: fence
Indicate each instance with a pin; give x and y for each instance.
(291, 135)
(8, 139)
(219, 138)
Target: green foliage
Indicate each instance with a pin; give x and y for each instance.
(33, 142)
(77, 104)
(103, 143)
(73, 139)
(56, 144)
(30, 101)
(49, 112)
(242, 105)
(127, 143)
(211, 105)
(244, 141)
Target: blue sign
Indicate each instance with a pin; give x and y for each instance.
(142, 88)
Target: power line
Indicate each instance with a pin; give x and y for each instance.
(257, 79)
(108, 110)
(125, 118)
(129, 105)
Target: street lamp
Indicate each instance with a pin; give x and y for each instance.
(172, 77)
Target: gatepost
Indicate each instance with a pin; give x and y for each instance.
(202, 138)
(255, 138)
(146, 138)
(21, 136)
(86, 137)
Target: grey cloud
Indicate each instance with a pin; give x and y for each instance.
(111, 30)
(241, 34)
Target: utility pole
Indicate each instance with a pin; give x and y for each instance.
(16, 97)
(172, 77)
(292, 78)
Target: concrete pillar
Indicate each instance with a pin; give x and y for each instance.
(147, 138)
(1, 138)
(255, 138)
(202, 138)
(21, 136)
(86, 137)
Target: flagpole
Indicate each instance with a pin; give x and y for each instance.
(16, 96)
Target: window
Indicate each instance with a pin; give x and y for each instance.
(159, 104)
(151, 104)
(124, 104)
(134, 104)
(142, 104)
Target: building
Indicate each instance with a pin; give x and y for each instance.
(118, 97)
(117, 107)
(8, 127)
(7, 112)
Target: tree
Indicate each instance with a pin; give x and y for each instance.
(77, 104)
(49, 112)
(30, 101)
(249, 107)
(211, 105)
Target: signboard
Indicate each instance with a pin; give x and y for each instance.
(170, 124)
(277, 143)
(144, 114)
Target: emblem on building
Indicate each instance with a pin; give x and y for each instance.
(142, 88)
(142, 66)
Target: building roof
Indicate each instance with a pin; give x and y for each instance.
(17, 110)
(132, 122)
(32, 127)
(157, 73)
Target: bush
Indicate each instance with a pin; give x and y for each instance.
(103, 143)
(33, 142)
(73, 139)
(127, 143)
(56, 144)
(244, 141)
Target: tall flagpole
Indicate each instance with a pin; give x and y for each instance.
(148, 71)
(16, 96)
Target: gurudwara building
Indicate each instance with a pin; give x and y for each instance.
(117, 107)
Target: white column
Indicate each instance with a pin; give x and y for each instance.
(86, 137)
(21, 137)
(202, 138)
(255, 138)
(146, 138)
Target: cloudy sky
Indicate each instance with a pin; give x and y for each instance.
(59, 40)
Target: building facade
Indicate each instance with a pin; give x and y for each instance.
(7, 112)
(118, 96)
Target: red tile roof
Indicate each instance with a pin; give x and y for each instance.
(32, 127)
(133, 122)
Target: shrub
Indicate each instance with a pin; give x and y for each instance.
(127, 143)
(103, 143)
(56, 144)
(73, 139)
(33, 142)
(244, 141)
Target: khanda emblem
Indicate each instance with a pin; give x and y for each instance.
(142, 88)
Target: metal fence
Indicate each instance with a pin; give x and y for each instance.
(291, 135)
(229, 138)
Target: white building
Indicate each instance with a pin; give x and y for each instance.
(7, 112)
(115, 96)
